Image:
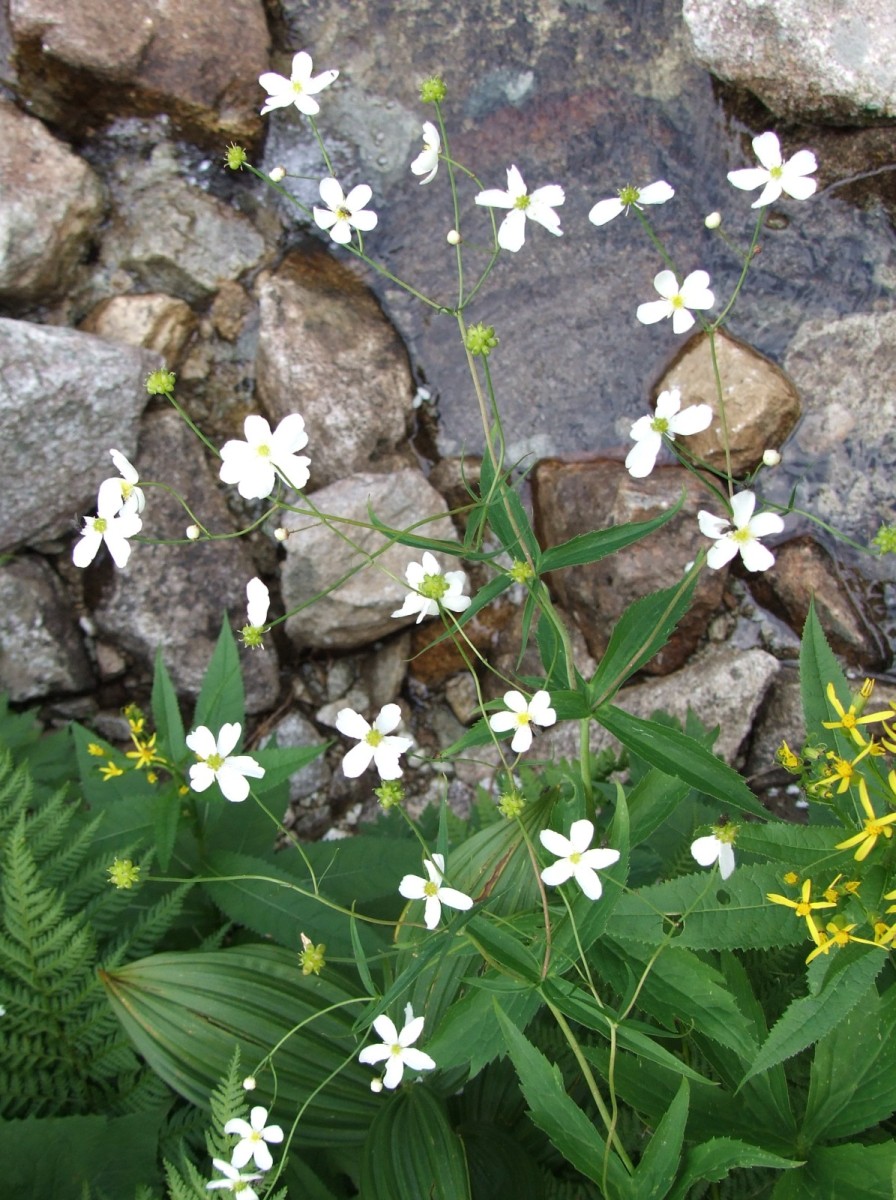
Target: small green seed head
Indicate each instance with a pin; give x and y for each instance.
(433, 90)
(123, 873)
(235, 157)
(312, 959)
(481, 340)
(389, 793)
(884, 540)
(160, 383)
(511, 805)
(252, 635)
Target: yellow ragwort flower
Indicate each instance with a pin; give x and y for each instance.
(804, 908)
(841, 772)
(144, 753)
(791, 878)
(850, 719)
(838, 934)
(110, 771)
(95, 749)
(874, 827)
(883, 933)
(788, 760)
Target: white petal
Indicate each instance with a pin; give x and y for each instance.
(385, 757)
(682, 320)
(556, 843)
(516, 702)
(690, 420)
(710, 526)
(201, 777)
(352, 724)
(653, 311)
(455, 899)
(656, 193)
(549, 196)
(522, 739)
(756, 557)
(766, 523)
(375, 1054)
(385, 1027)
(413, 1027)
(358, 197)
(605, 210)
(494, 198)
(748, 178)
(85, 550)
(706, 850)
(325, 218)
(721, 553)
(641, 459)
(515, 185)
(412, 887)
(418, 1060)
(667, 404)
(767, 149)
(742, 506)
(695, 290)
(726, 859)
(769, 194)
(501, 722)
(540, 710)
(228, 737)
(800, 187)
(557, 872)
(581, 834)
(290, 435)
(202, 742)
(666, 284)
(432, 912)
(357, 760)
(128, 472)
(599, 858)
(393, 1073)
(802, 163)
(331, 192)
(245, 765)
(588, 881)
(233, 785)
(512, 231)
(258, 600)
(435, 867)
(389, 718)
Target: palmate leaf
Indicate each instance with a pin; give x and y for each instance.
(186, 1012)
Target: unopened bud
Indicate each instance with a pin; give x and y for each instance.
(281, 534)
(376, 1085)
(713, 221)
(193, 532)
(771, 458)
(249, 1083)
(453, 237)
(277, 174)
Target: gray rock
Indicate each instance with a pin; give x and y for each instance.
(779, 719)
(66, 399)
(186, 246)
(197, 62)
(325, 350)
(295, 730)
(174, 597)
(802, 58)
(156, 322)
(359, 610)
(41, 650)
(52, 203)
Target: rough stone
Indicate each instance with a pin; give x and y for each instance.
(156, 322)
(574, 498)
(66, 399)
(326, 350)
(229, 310)
(296, 730)
(780, 718)
(722, 686)
(358, 611)
(52, 203)
(185, 247)
(173, 597)
(197, 62)
(41, 650)
(803, 570)
(802, 58)
(761, 404)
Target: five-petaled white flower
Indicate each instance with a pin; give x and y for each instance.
(216, 763)
(716, 847)
(258, 600)
(111, 525)
(575, 860)
(432, 589)
(648, 431)
(375, 743)
(235, 1181)
(521, 717)
(123, 490)
(254, 1135)
(253, 465)
(433, 891)
(299, 89)
(677, 301)
(344, 213)
(740, 533)
(775, 175)
(539, 206)
(427, 161)
(397, 1049)
(654, 193)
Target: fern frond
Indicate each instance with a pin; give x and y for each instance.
(148, 930)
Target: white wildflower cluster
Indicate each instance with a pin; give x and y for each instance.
(255, 1136)
(118, 507)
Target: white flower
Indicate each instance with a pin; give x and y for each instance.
(740, 534)
(432, 589)
(217, 763)
(112, 525)
(776, 176)
(235, 1181)
(253, 465)
(654, 193)
(396, 1049)
(374, 742)
(575, 860)
(537, 207)
(521, 716)
(299, 89)
(254, 1137)
(344, 213)
(648, 431)
(710, 849)
(258, 600)
(433, 891)
(124, 490)
(427, 161)
(676, 301)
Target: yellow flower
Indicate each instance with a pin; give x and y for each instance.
(804, 907)
(788, 760)
(123, 873)
(842, 771)
(883, 933)
(791, 878)
(850, 719)
(875, 827)
(840, 935)
(110, 771)
(145, 752)
(135, 717)
(96, 750)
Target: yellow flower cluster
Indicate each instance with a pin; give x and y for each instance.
(839, 930)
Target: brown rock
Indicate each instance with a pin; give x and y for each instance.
(51, 202)
(574, 498)
(156, 322)
(326, 350)
(229, 310)
(761, 404)
(433, 661)
(804, 569)
(85, 59)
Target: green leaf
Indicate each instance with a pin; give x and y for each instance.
(600, 543)
(714, 1160)
(850, 974)
(677, 754)
(652, 801)
(469, 1034)
(185, 1012)
(639, 634)
(801, 847)
(507, 517)
(556, 1114)
(853, 1081)
(850, 1172)
(221, 698)
(166, 805)
(709, 913)
(166, 713)
(553, 655)
(818, 668)
(659, 1162)
(412, 1153)
(504, 950)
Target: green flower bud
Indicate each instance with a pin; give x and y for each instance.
(312, 958)
(481, 340)
(433, 90)
(521, 572)
(235, 157)
(123, 873)
(160, 383)
(885, 539)
(511, 805)
(389, 793)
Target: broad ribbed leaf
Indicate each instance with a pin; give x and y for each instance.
(185, 1012)
(412, 1153)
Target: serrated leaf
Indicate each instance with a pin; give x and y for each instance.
(852, 1172)
(853, 1081)
(851, 972)
(716, 1159)
(412, 1152)
(798, 846)
(166, 713)
(221, 698)
(733, 914)
(659, 1162)
(683, 757)
(818, 668)
(600, 543)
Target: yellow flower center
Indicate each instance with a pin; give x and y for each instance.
(298, 87)
(373, 738)
(343, 214)
(100, 524)
(776, 172)
(430, 889)
(521, 202)
(741, 536)
(659, 425)
(677, 300)
(522, 718)
(215, 761)
(433, 587)
(263, 451)
(575, 857)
